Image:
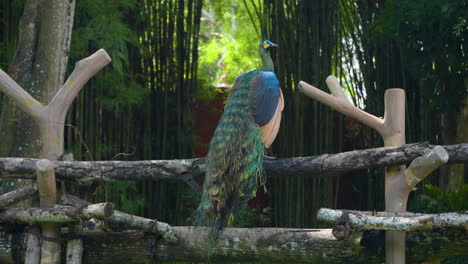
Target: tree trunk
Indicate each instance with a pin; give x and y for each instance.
(39, 67)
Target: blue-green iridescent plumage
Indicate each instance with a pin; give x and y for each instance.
(234, 166)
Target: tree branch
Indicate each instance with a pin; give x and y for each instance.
(17, 195)
(56, 214)
(421, 167)
(394, 221)
(22, 98)
(121, 221)
(84, 70)
(340, 103)
(187, 169)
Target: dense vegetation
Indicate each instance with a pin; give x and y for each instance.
(174, 60)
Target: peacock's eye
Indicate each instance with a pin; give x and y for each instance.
(265, 45)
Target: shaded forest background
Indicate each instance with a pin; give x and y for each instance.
(174, 61)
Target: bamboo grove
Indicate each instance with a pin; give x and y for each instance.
(141, 107)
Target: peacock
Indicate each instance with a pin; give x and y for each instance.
(234, 165)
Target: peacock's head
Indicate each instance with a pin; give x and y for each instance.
(266, 44)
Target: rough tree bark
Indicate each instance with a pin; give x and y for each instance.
(39, 67)
(187, 169)
(394, 221)
(17, 195)
(56, 214)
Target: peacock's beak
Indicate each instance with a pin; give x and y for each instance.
(274, 44)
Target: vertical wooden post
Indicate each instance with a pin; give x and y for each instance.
(392, 130)
(74, 246)
(396, 189)
(74, 251)
(33, 250)
(50, 250)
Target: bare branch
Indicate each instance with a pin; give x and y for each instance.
(22, 98)
(340, 103)
(84, 70)
(421, 167)
(17, 195)
(127, 221)
(335, 88)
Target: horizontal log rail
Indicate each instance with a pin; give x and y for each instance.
(347, 221)
(188, 169)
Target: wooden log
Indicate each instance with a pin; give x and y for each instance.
(128, 221)
(392, 130)
(57, 214)
(421, 167)
(52, 122)
(396, 189)
(395, 221)
(33, 248)
(67, 199)
(51, 118)
(17, 195)
(268, 245)
(184, 169)
(74, 251)
(50, 250)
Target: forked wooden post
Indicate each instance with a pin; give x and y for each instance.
(51, 121)
(398, 181)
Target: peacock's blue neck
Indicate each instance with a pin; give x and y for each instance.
(266, 60)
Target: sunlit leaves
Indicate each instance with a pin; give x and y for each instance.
(229, 45)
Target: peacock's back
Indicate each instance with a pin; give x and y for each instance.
(234, 168)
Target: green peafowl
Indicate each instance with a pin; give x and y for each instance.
(234, 166)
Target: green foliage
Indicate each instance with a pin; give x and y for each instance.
(253, 217)
(434, 200)
(448, 202)
(228, 45)
(99, 25)
(124, 194)
(433, 37)
(456, 260)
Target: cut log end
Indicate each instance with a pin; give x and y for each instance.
(44, 165)
(441, 153)
(103, 53)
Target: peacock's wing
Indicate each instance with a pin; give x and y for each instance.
(266, 104)
(234, 161)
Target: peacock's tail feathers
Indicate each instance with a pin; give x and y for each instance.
(234, 163)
